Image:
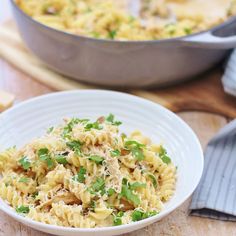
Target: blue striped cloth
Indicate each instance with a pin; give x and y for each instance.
(215, 196)
(229, 77)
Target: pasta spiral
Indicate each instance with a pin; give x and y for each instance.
(94, 137)
(72, 216)
(7, 159)
(43, 217)
(12, 196)
(78, 161)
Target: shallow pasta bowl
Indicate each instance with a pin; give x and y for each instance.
(30, 119)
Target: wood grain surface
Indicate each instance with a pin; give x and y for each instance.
(177, 223)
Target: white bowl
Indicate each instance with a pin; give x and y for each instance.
(31, 118)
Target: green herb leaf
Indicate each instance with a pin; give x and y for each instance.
(22, 209)
(166, 159)
(127, 193)
(162, 151)
(134, 144)
(163, 155)
(125, 181)
(120, 214)
(117, 218)
(137, 153)
(97, 159)
(115, 153)
(140, 215)
(75, 145)
(137, 215)
(34, 195)
(112, 34)
(80, 177)
(123, 136)
(111, 119)
(98, 186)
(117, 221)
(136, 185)
(50, 130)
(23, 180)
(110, 192)
(171, 28)
(135, 148)
(153, 178)
(94, 125)
(149, 214)
(95, 34)
(25, 163)
(44, 155)
(188, 31)
(61, 159)
(50, 163)
(93, 205)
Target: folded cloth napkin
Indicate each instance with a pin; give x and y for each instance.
(229, 77)
(215, 196)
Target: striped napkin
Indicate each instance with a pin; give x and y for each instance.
(229, 78)
(215, 196)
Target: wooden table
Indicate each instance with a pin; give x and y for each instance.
(178, 222)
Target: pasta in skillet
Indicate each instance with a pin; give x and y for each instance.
(86, 174)
(130, 19)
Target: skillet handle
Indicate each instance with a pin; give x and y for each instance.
(210, 41)
(214, 39)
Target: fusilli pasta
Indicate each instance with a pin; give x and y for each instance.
(85, 174)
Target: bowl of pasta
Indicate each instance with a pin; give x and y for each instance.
(94, 162)
(131, 43)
